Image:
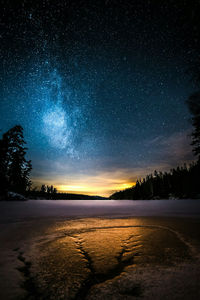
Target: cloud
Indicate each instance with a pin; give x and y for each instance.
(172, 150)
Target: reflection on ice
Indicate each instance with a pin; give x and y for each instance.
(95, 251)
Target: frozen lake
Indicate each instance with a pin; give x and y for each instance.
(11, 211)
(63, 250)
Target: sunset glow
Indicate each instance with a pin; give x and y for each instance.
(102, 189)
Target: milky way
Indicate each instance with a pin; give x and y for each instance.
(55, 118)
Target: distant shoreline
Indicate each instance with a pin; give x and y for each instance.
(36, 195)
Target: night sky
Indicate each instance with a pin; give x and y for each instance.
(99, 88)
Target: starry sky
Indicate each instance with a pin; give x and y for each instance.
(99, 88)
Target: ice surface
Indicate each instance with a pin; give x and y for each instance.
(100, 249)
(11, 211)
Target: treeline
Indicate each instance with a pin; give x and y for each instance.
(37, 195)
(48, 189)
(49, 192)
(182, 182)
(45, 192)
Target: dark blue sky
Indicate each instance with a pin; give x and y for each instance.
(99, 87)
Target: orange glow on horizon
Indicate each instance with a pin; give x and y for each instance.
(98, 183)
(101, 184)
(94, 190)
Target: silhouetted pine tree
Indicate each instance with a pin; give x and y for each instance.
(14, 168)
(3, 166)
(194, 107)
(43, 189)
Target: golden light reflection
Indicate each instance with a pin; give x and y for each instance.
(101, 250)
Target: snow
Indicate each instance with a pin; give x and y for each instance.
(71, 208)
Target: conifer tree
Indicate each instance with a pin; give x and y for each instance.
(194, 107)
(14, 168)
